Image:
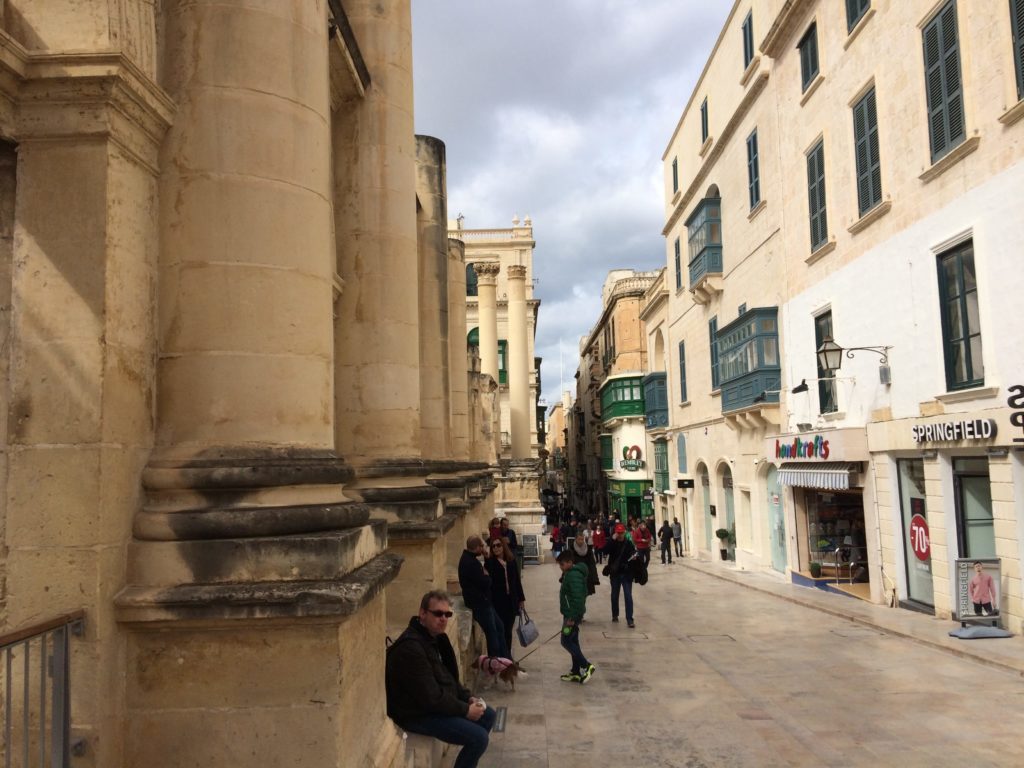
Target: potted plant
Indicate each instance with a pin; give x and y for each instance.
(815, 569)
(724, 536)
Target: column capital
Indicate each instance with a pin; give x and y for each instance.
(487, 272)
(516, 272)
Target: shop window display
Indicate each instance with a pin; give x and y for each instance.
(835, 533)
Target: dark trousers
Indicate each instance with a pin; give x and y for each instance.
(494, 630)
(679, 546)
(507, 616)
(625, 583)
(571, 643)
(644, 555)
(666, 550)
(472, 736)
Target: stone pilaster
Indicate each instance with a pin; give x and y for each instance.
(458, 361)
(487, 288)
(518, 363)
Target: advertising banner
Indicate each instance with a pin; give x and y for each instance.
(977, 589)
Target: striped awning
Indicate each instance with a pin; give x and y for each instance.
(827, 475)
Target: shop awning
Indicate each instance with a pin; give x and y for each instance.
(827, 475)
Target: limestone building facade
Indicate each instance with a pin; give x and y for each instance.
(230, 414)
(826, 191)
(612, 473)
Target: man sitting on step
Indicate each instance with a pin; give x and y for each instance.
(422, 683)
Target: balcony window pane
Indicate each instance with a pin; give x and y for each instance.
(771, 352)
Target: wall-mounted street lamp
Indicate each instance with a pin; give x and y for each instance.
(830, 354)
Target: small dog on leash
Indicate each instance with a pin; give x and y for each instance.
(498, 668)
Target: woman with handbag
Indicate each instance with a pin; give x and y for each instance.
(507, 595)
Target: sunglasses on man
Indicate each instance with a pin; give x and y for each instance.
(440, 614)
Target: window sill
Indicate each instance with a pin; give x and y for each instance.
(821, 252)
(716, 392)
(676, 195)
(684, 404)
(870, 217)
(1013, 114)
(750, 70)
(761, 205)
(834, 416)
(858, 27)
(706, 146)
(817, 81)
(952, 158)
(963, 395)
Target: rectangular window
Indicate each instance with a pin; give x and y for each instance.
(855, 10)
(660, 466)
(704, 120)
(869, 167)
(975, 522)
(942, 82)
(675, 175)
(912, 506)
(679, 267)
(961, 324)
(502, 361)
(827, 401)
(816, 195)
(753, 172)
(1017, 29)
(748, 39)
(607, 459)
(808, 47)
(712, 333)
(682, 371)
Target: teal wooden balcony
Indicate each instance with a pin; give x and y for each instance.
(655, 401)
(708, 262)
(748, 355)
(622, 397)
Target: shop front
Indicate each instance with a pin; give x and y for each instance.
(630, 498)
(956, 481)
(821, 475)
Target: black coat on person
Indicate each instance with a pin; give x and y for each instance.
(475, 583)
(505, 598)
(421, 676)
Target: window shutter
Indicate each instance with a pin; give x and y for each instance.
(713, 333)
(753, 174)
(869, 168)
(681, 452)
(679, 268)
(816, 195)
(682, 371)
(1017, 29)
(942, 81)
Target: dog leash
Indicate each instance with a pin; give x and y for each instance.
(519, 660)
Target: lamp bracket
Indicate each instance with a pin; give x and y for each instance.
(882, 352)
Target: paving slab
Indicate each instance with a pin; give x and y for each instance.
(732, 668)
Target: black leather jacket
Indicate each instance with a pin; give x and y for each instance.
(422, 676)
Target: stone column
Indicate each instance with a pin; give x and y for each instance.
(378, 340)
(432, 244)
(518, 363)
(458, 368)
(487, 289)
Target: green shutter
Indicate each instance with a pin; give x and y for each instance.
(1017, 30)
(855, 9)
(679, 268)
(748, 39)
(816, 195)
(869, 168)
(942, 82)
(675, 175)
(809, 56)
(753, 173)
(682, 371)
(713, 333)
(681, 452)
(704, 120)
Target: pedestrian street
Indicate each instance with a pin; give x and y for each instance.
(719, 674)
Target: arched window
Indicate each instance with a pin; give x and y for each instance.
(473, 338)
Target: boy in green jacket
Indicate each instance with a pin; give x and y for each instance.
(572, 600)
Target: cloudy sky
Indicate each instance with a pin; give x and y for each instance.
(561, 109)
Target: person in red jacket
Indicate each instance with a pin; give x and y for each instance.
(598, 539)
(642, 542)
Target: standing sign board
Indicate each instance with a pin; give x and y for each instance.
(531, 547)
(978, 589)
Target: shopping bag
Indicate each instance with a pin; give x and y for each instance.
(526, 630)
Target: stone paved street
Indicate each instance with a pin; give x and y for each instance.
(720, 674)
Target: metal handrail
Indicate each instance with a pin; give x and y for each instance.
(44, 700)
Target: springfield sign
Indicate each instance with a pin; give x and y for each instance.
(815, 447)
(954, 431)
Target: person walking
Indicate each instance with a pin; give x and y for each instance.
(507, 594)
(642, 542)
(598, 541)
(421, 682)
(572, 602)
(620, 552)
(677, 536)
(665, 537)
(584, 553)
(476, 592)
